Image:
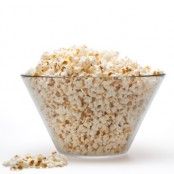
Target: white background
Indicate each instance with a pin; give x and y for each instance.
(142, 30)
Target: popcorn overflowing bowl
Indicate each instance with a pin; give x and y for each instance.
(87, 114)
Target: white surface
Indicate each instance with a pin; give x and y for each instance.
(143, 30)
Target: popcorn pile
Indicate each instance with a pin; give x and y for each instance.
(38, 161)
(83, 61)
(91, 102)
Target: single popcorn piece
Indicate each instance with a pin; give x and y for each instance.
(92, 102)
(38, 161)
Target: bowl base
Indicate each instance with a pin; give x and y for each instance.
(95, 157)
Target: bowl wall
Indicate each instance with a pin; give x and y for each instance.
(92, 116)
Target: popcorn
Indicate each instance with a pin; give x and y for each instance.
(91, 101)
(38, 161)
(84, 61)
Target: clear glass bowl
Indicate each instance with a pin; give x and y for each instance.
(92, 116)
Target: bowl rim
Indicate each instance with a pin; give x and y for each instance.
(120, 76)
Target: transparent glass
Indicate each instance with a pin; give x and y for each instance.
(92, 116)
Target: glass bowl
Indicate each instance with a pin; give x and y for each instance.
(92, 116)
